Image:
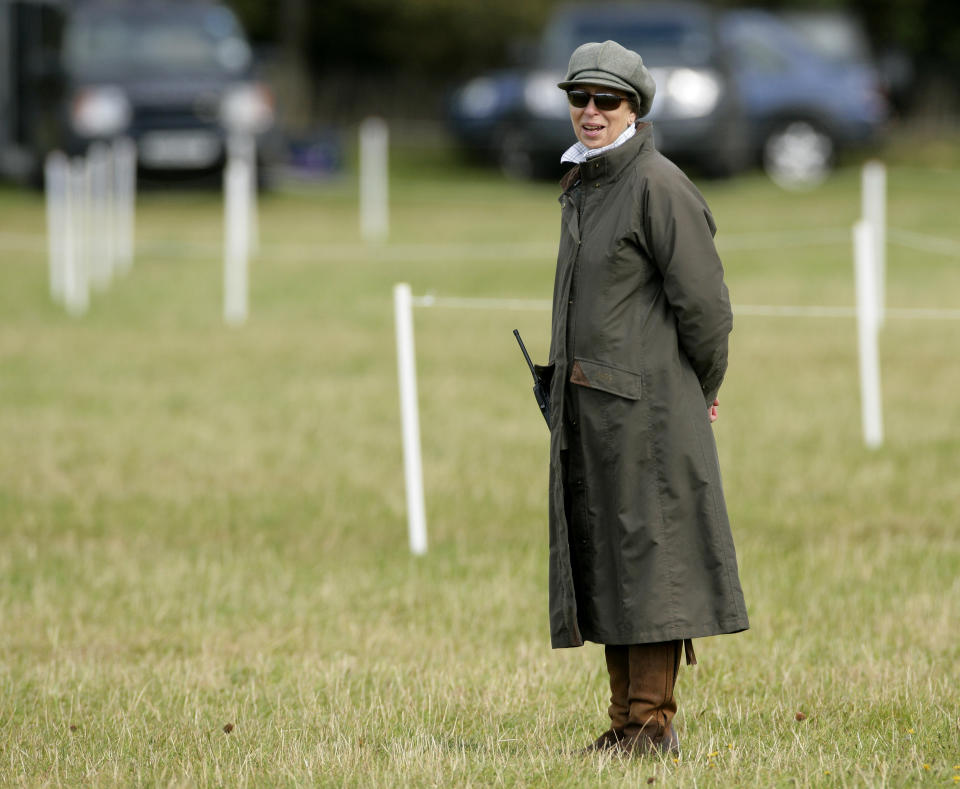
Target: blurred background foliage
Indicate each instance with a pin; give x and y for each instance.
(399, 59)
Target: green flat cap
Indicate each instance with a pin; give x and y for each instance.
(612, 66)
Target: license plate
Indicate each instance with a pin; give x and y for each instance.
(179, 149)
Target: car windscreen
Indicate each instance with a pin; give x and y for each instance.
(834, 37)
(659, 41)
(154, 41)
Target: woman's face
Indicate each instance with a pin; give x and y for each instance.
(596, 128)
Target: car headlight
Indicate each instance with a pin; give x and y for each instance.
(247, 108)
(102, 111)
(478, 98)
(542, 96)
(685, 92)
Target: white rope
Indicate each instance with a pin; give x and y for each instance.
(481, 304)
(527, 250)
(780, 239)
(927, 313)
(786, 311)
(750, 310)
(924, 242)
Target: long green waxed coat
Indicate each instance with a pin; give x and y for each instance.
(640, 543)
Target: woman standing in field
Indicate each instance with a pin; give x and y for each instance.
(641, 555)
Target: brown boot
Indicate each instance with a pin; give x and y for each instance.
(610, 739)
(618, 667)
(653, 674)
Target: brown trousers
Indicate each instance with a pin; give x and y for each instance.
(642, 678)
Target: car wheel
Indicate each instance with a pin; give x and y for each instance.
(797, 155)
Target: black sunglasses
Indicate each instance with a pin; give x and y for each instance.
(602, 101)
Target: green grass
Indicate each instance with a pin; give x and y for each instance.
(202, 526)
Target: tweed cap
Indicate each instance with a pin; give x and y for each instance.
(611, 66)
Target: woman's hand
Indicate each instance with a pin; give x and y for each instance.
(714, 411)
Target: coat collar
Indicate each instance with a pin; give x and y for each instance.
(612, 163)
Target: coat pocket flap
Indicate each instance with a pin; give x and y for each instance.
(614, 380)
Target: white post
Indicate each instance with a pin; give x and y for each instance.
(374, 216)
(125, 188)
(409, 411)
(56, 175)
(100, 266)
(76, 290)
(109, 218)
(874, 211)
(236, 186)
(241, 145)
(867, 330)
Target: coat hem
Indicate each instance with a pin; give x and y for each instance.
(654, 636)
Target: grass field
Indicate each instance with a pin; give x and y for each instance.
(203, 528)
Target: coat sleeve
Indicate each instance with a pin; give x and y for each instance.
(678, 230)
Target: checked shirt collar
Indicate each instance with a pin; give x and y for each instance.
(578, 153)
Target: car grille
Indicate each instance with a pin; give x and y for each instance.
(173, 118)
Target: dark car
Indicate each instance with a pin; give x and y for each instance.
(803, 102)
(30, 85)
(733, 87)
(521, 117)
(176, 77)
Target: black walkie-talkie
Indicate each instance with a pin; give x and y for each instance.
(541, 378)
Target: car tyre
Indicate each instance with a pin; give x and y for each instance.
(798, 154)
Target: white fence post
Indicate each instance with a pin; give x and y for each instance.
(76, 289)
(100, 262)
(125, 191)
(409, 411)
(243, 146)
(56, 186)
(374, 212)
(874, 211)
(867, 330)
(236, 187)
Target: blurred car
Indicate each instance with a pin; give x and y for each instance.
(734, 87)
(839, 36)
(175, 77)
(806, 95)
(30, 85)
(521, 118)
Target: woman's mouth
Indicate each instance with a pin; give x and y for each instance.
(592, 129)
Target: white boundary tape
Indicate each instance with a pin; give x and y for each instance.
(337, 253)
(923, 242)
(481, 304)
(780, 239)
(751, 310)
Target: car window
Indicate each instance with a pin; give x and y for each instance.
(169, 42)
(757, 55)
(658, 40)
(648, 37)
(759, 43)
(836, 38)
